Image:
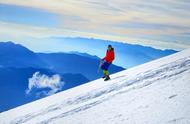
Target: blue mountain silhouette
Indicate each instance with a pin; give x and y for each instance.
(18, 64)
(127, 55)
(15, 55)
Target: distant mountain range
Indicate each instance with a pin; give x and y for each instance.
(127, 55)
(18, 56)
(18, 64)
(15, 55)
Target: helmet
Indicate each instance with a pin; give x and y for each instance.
(110, 46)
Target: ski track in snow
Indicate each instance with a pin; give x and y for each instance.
(124, 84)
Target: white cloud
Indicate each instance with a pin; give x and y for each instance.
(41, 81)
(103, 19)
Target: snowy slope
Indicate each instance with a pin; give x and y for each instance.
(157, 92)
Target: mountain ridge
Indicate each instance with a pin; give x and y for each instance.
(18, 64)
(126, 54)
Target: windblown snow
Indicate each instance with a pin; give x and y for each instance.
(157, 92)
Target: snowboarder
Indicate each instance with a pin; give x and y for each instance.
(107, 61)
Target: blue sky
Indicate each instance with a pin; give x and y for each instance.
(27, 16)
(163, 24)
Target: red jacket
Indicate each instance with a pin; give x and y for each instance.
(110, 56)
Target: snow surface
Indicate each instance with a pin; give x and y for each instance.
(157, 92)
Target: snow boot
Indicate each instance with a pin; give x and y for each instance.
(107, 78)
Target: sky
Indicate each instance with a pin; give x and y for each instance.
(162, 24)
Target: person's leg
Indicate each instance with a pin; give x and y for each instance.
(103, 67)
(107, 76)
(105, 71)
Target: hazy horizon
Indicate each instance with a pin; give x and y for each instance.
(158, 24)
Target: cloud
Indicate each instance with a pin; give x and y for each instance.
(37, 38)
(119, 20)
(42, 81)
